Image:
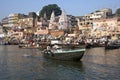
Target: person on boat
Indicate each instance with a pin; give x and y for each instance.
(48, 48)
(50, 51)
(106, 42)
(57, 48)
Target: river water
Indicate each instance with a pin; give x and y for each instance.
(96, 64)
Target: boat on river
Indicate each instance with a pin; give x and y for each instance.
(28, 46)
(64, 54)
(113, 45)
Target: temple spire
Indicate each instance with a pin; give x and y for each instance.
(63, 21)
(52, 19)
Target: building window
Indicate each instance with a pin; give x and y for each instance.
(81, 24)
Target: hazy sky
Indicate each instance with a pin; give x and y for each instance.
(73, 7)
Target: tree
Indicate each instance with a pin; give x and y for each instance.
(49, 9)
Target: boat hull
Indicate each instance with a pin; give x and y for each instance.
(112, 47)
(66, 56)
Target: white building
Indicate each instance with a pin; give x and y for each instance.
(63, 21)
(103, 13)
(52, 20)
(13, 20)
(97, 15)
(1, 32)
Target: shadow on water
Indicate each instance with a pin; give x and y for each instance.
(60, 70)
(68, 64)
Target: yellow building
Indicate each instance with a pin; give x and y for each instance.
(105, 27)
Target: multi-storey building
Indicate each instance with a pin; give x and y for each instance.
(105, 27)
(1, 32)
(13, 20)
(101, 14)
(86, 22)
(5, 22)
(26, 24)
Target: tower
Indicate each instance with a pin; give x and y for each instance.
(52, 19)
(63, 21)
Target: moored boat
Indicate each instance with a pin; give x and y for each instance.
(112, 46)
(67, 55)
